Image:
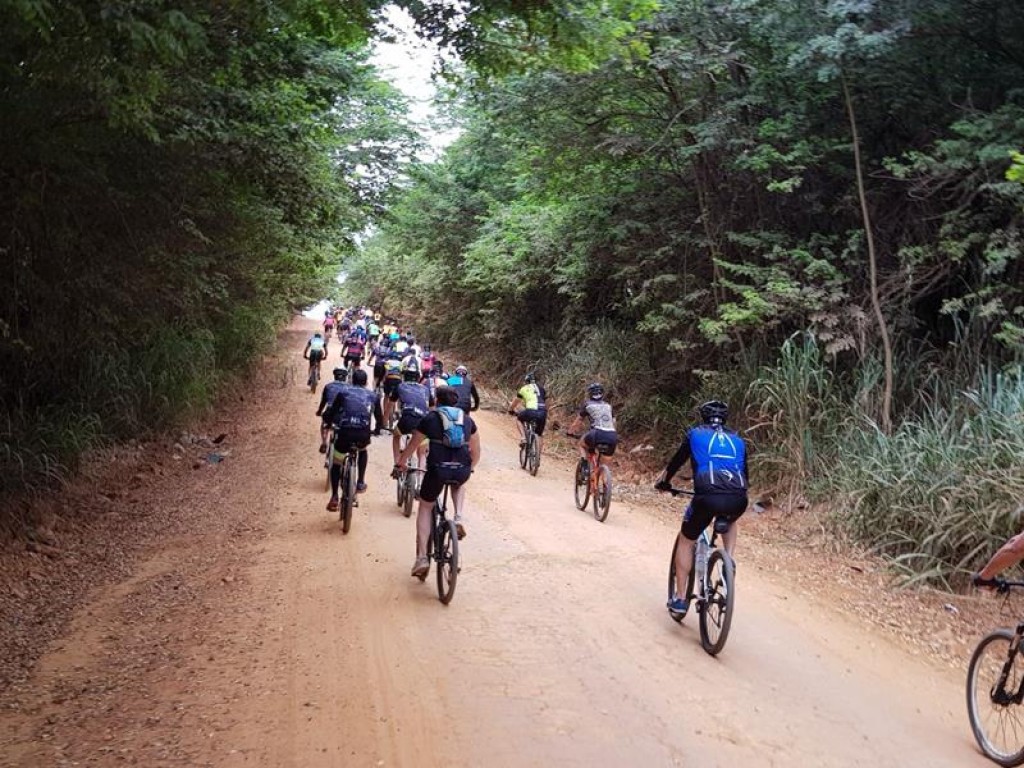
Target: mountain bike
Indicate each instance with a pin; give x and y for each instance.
(349, 477)
(594, 481)
(995, 690)
(529, 449)
(443, 548)
(407, 484)
(714, 576)
(314, 376)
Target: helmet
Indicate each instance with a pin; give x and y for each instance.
(359, 377)
(409, 375)
(596, 391)
(317, 334)
(340, 374)
(461, 370)
(411, 339)
(438, 365)
(714, 412)
(529, 378)
(426, 347)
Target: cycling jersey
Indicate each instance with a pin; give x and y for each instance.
(354, 347)
(352, 408)
(533, 397)
(316, 344)
(413, 397)
(392, 369)
(411, 363)
(718, 457)
(331, 389)
(600, 415)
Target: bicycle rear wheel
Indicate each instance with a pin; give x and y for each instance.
(716, 612)
(410, 490)
(582, 490)
(447, 561)
(524, 450)
(603, 494)
(678, 617)
(349, 496)
(997, 720)
(400, 488)
(533, 449)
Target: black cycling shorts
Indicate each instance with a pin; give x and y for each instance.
(437, 476)
(539, 418)
(349, 437)
(354, 359)
(390, 386)
(316, 355)
(706, 507)
(602, 437)
(408, 422)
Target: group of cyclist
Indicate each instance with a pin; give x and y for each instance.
(412, 392)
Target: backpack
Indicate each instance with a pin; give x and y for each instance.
(454, 430)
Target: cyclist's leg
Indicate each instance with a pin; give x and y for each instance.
(396, 443)
(540, 423)
(695, 520)
(364, 458)
(729, 538)
(584, 446)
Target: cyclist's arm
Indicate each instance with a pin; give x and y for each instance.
(577, 425)
(516, 401)
(414, 443)
(378, 412)
(677, 461)
(1011, 553)
(305, 352)
(475, 397)
(323, 402)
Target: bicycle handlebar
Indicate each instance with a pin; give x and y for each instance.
(678, 491)
(1001, 586)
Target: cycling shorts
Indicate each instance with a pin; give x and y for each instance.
(349, 437)
(603, 437)
(539, 418)
(437, 476)
(390, 387)
(354, 359)
(408, 422)
(707, 506)
(316, 355)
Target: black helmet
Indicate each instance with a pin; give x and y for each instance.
(410, 375)
(359, 377)
(529, 378)
(596, 391)
(340, 374)
(714, 412)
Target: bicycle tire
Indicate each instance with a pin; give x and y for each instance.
(410, 492)
(533, 458)
(996, 660)
(582, 484)
(400, 488)
(524, 451)
(327, 467)
(603, 495)
(349, 499)
(678, 617)
(717, 608)
(447, 561)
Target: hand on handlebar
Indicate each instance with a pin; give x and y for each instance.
(664, 486)
(999, 585)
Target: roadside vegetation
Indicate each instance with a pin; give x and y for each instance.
(812, 210)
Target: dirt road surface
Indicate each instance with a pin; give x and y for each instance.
(262, 636)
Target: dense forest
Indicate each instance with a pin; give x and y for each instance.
(810, 209)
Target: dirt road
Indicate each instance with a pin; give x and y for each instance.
(264, 637)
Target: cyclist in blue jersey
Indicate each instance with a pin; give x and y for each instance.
(719, 460)
(326, 398)
(350, 412)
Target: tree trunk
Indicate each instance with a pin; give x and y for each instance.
(876, 304)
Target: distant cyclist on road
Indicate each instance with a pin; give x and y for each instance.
(315, 351)
(719, 460)
(535, 407)
(350, 413)
(355, 346)
(445, 464)
(326, 398)
(601, 422)
(469, 400)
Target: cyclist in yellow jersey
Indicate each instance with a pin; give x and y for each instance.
(535, 407)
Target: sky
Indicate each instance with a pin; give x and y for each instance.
(408, 64)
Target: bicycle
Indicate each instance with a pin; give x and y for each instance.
(714, 574)
(594, 481)
(314, 376)
(408, 481)
(443, 548)
(995, 690)
(529, 450)
(349, 477)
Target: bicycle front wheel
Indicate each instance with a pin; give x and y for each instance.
(672, 593)
(603, 494)
(524, 451)
(410, 491)
(447, 561)
(582, 490)
(716, 612)
(400, 489)
(993, 677)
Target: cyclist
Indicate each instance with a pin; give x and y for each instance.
(315, 351)
(535, 407)
(392, 378)
(435, 377)
(602, 424)
(353, 350)
(469, 400)
(414, 400)
(400, 345)
(427, 360)
(445, 464)
(1011, 553)
(350, 413)
(374, 330)
(719, 460)
(378, 356)
(411, 362)
(326, 397)
(328, 323)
